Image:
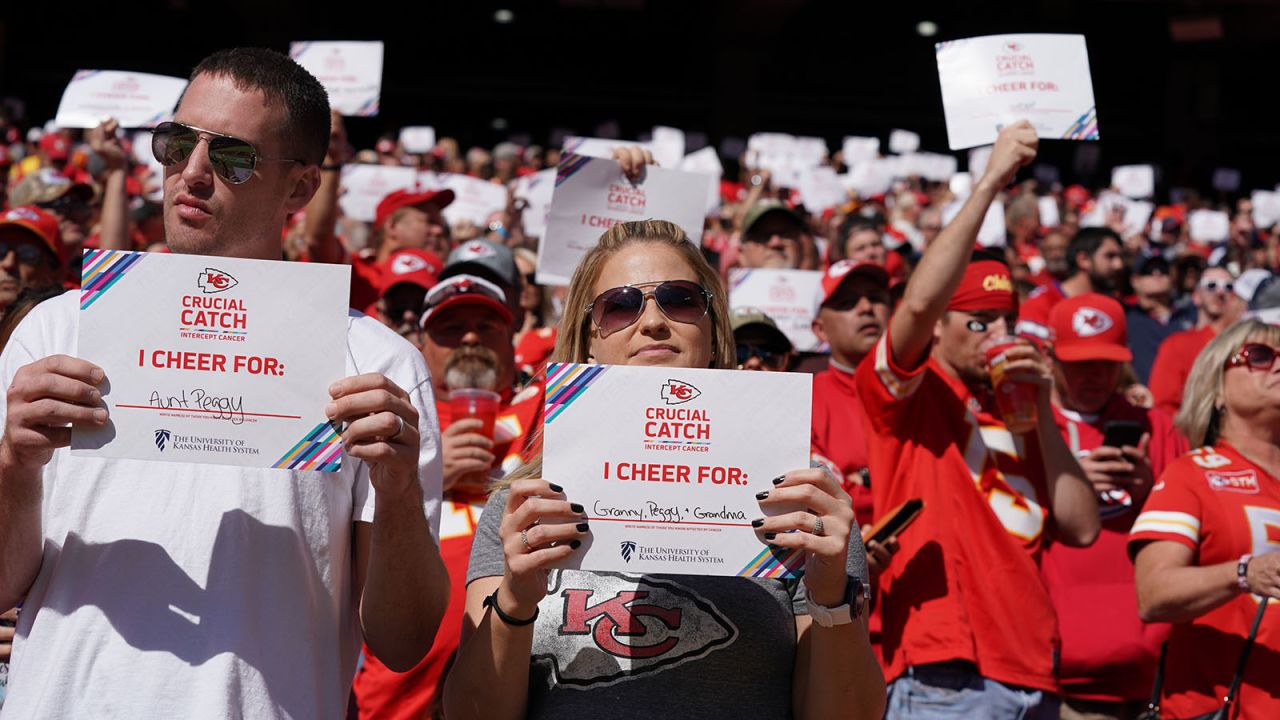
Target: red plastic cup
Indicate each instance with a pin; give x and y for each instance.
(473, 403)
(1017, 400)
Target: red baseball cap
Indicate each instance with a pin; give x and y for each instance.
(55, 145)
(465, 290)
(39, 222)
(440, 199)
(1089, 327)
(842, 270)
(411, 265)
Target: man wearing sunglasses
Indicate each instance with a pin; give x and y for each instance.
(760, 344)
(183, 590)
(30, 252)
(965, 614)
(1219, 306)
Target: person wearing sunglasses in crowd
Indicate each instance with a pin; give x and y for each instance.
(1109, 655)
(216, 590)
(646, 296)
(65, 199)
(1206, 546)
(968, 628)
(30, 253)
(759, 343)
(1218, 306)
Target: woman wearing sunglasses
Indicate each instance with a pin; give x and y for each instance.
(543, 643)
(1207, 544)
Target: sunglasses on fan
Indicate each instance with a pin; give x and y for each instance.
(1255, 356)
(233, 159)
(682, 301)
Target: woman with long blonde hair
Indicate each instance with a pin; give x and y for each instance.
(1207, 544)
(543, 643)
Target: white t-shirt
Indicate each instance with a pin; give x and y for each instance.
(199, 591)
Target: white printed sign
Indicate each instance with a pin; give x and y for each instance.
(418, 138)
(706, 162)
(207, 361)
(535, 190)
(351, 73)
(787, 296)
(592, 195)
(859, 149)
(1209, 226)
(669, 483)
(820, 188)
(137, 100)
(1266, 208)
(364, 186)
(903, 141)
(668, 146)
(474, 199)
(994, 81)
(1134, 181)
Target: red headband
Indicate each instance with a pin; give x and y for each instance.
(987, 285)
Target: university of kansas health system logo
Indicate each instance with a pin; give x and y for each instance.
(162, 437)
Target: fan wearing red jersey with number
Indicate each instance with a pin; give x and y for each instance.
(1207, 544)
(968, 627)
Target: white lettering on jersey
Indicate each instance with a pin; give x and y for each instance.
(1018, 511)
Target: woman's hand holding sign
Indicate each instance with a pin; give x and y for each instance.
(539, 528)
(819, 522)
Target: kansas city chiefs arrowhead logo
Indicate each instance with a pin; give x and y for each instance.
(215, 281)
(676, 392)
(1087, 322)
(606, 628)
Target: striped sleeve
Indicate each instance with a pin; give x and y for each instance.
(899, 383)
(1032, 329)
(1173, 511)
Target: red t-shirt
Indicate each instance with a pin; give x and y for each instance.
(382, 693)
(1108, 653)
(839, 436)
(966, 583)
(1173, 363)
(1221, 506)
(1033, 315)
(534, 348)
(366, 281)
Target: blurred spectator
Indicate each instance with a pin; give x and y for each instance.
(494, 263)
(1219, 306)
(535, 336)
(771, 237)
(31, 253)
(1095, 263)
(760, 345)
(1148, 316)
(406, 277)
(1109, 658)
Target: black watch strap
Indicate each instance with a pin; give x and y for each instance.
(492, 602)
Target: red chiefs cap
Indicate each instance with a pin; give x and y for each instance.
(465, 290)
(1089, 327)
(440, 199)
(842, 270)
(37, 221)
(56, 146)
(411, 265)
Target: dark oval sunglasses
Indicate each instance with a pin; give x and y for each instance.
(768, 357)
(233, 159)
(1255, 356)
(682, 301)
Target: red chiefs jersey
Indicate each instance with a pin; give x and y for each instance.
(1172, 365)
(1033, 315)
(838, 434)
(1111, 655)
(965, 584)
(382, 693)
(1221, 506)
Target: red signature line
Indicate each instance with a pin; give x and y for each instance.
(214, 412)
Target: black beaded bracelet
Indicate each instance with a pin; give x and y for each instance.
(492, 602)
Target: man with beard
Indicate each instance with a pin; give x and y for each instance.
(467, 342)
(1094, 261)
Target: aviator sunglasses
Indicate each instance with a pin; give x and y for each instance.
(683, 301)
(1255, 356)
(232, 158)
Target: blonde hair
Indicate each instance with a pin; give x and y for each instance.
(1200, 414)
(573, 341)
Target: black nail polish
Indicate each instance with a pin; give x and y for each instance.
(575, 507)
(762, 494)
(575, 544)
(583, 527)
(770, 536)
(757, 523)
(778, 480)
(554, 487)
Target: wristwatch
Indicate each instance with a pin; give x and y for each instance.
(1242, 572)
(856, 595)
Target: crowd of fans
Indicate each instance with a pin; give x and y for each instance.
(1018, 583)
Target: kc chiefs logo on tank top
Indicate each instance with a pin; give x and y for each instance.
(603, 628)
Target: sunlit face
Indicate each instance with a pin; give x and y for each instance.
(865, 246)
(206, 215)
(773, 242)
(468, 325)
(653, 339)
(1251, 393)
(854, 318)
(959, 337)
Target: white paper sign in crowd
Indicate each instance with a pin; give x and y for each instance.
(592, 195)
(1266, 208)
(706, 162)
(351, 72)
(857, 149)
(903, 141)
(418, 138)
(1134, 181)
(535, 190)
(669, 482)
(598, 147)
(994, 81)
(364, 186)
(787, 296)
(137, 100)
(474, 199)
(207, 361)
(1209, 226)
